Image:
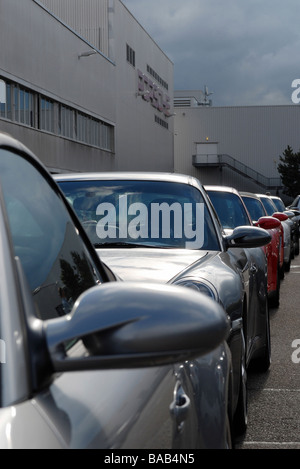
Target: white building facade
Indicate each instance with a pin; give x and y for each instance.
(236, 146)
(84, 86)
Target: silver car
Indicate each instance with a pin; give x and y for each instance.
(161, 228)
(296, 219)
(88, 361)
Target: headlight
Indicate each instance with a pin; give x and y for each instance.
(200, 285)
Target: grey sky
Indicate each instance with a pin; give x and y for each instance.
(247, 52)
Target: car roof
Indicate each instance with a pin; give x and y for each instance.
(249, 194)
(263, 195)
(127, 175)
(221, 189)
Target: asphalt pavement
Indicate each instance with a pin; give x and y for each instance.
(274, 397)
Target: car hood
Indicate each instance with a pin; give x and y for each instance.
(151, 265)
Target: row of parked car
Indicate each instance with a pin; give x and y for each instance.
(131, 307)
(268, 212)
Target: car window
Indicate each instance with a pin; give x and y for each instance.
(56, 261)
(279, 205)
(147, 213)
(269, 206)
(254, 208)
(230, 209)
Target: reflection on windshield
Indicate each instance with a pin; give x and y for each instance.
(142, 213)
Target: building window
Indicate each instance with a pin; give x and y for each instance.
(81, 128)
(94, 132)
(130, 55)
(66, 121)
(23, 106)
(107, 140)
(27, 107)
(46, 120)
(5, 100)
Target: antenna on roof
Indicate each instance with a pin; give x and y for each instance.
(206, 101)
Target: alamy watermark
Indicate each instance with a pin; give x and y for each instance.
(296, 93)
(155, 221)
(296, 353)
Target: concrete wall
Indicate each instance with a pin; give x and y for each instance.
(254, 135)
(90, 18)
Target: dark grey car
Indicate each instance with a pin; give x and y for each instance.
(162, 228)
(233, 213)
(88, 361)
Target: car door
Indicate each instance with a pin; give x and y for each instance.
(84, 409)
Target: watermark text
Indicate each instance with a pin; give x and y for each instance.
(296, 93)
(155, 221)
(296, 352)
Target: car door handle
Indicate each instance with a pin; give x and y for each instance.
(179, 408)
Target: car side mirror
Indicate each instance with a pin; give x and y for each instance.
(289, 213)
(125, 325)
(247, 237)
(295, 210)
(268, 223)
(280, 216)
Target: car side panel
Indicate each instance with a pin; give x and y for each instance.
(224, 271)
(87, 410)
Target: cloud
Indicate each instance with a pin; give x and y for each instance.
(246, 51)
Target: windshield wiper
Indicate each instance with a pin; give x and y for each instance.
(125, 244)
(120, 244)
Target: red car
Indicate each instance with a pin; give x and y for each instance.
(274, 250)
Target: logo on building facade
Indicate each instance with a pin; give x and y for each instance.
(153, 94)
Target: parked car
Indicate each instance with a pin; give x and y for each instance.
(274, 250)
(296, 202)
(89, 361)
(295, 206)
(233, 214)
(162, 228)
(296, 219)
(288, 228)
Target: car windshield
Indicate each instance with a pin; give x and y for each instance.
(142, 213)
(229, 208)
(279, 205)
(269, 206)
(254, 207)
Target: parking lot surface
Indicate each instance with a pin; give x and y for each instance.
(274, 397)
